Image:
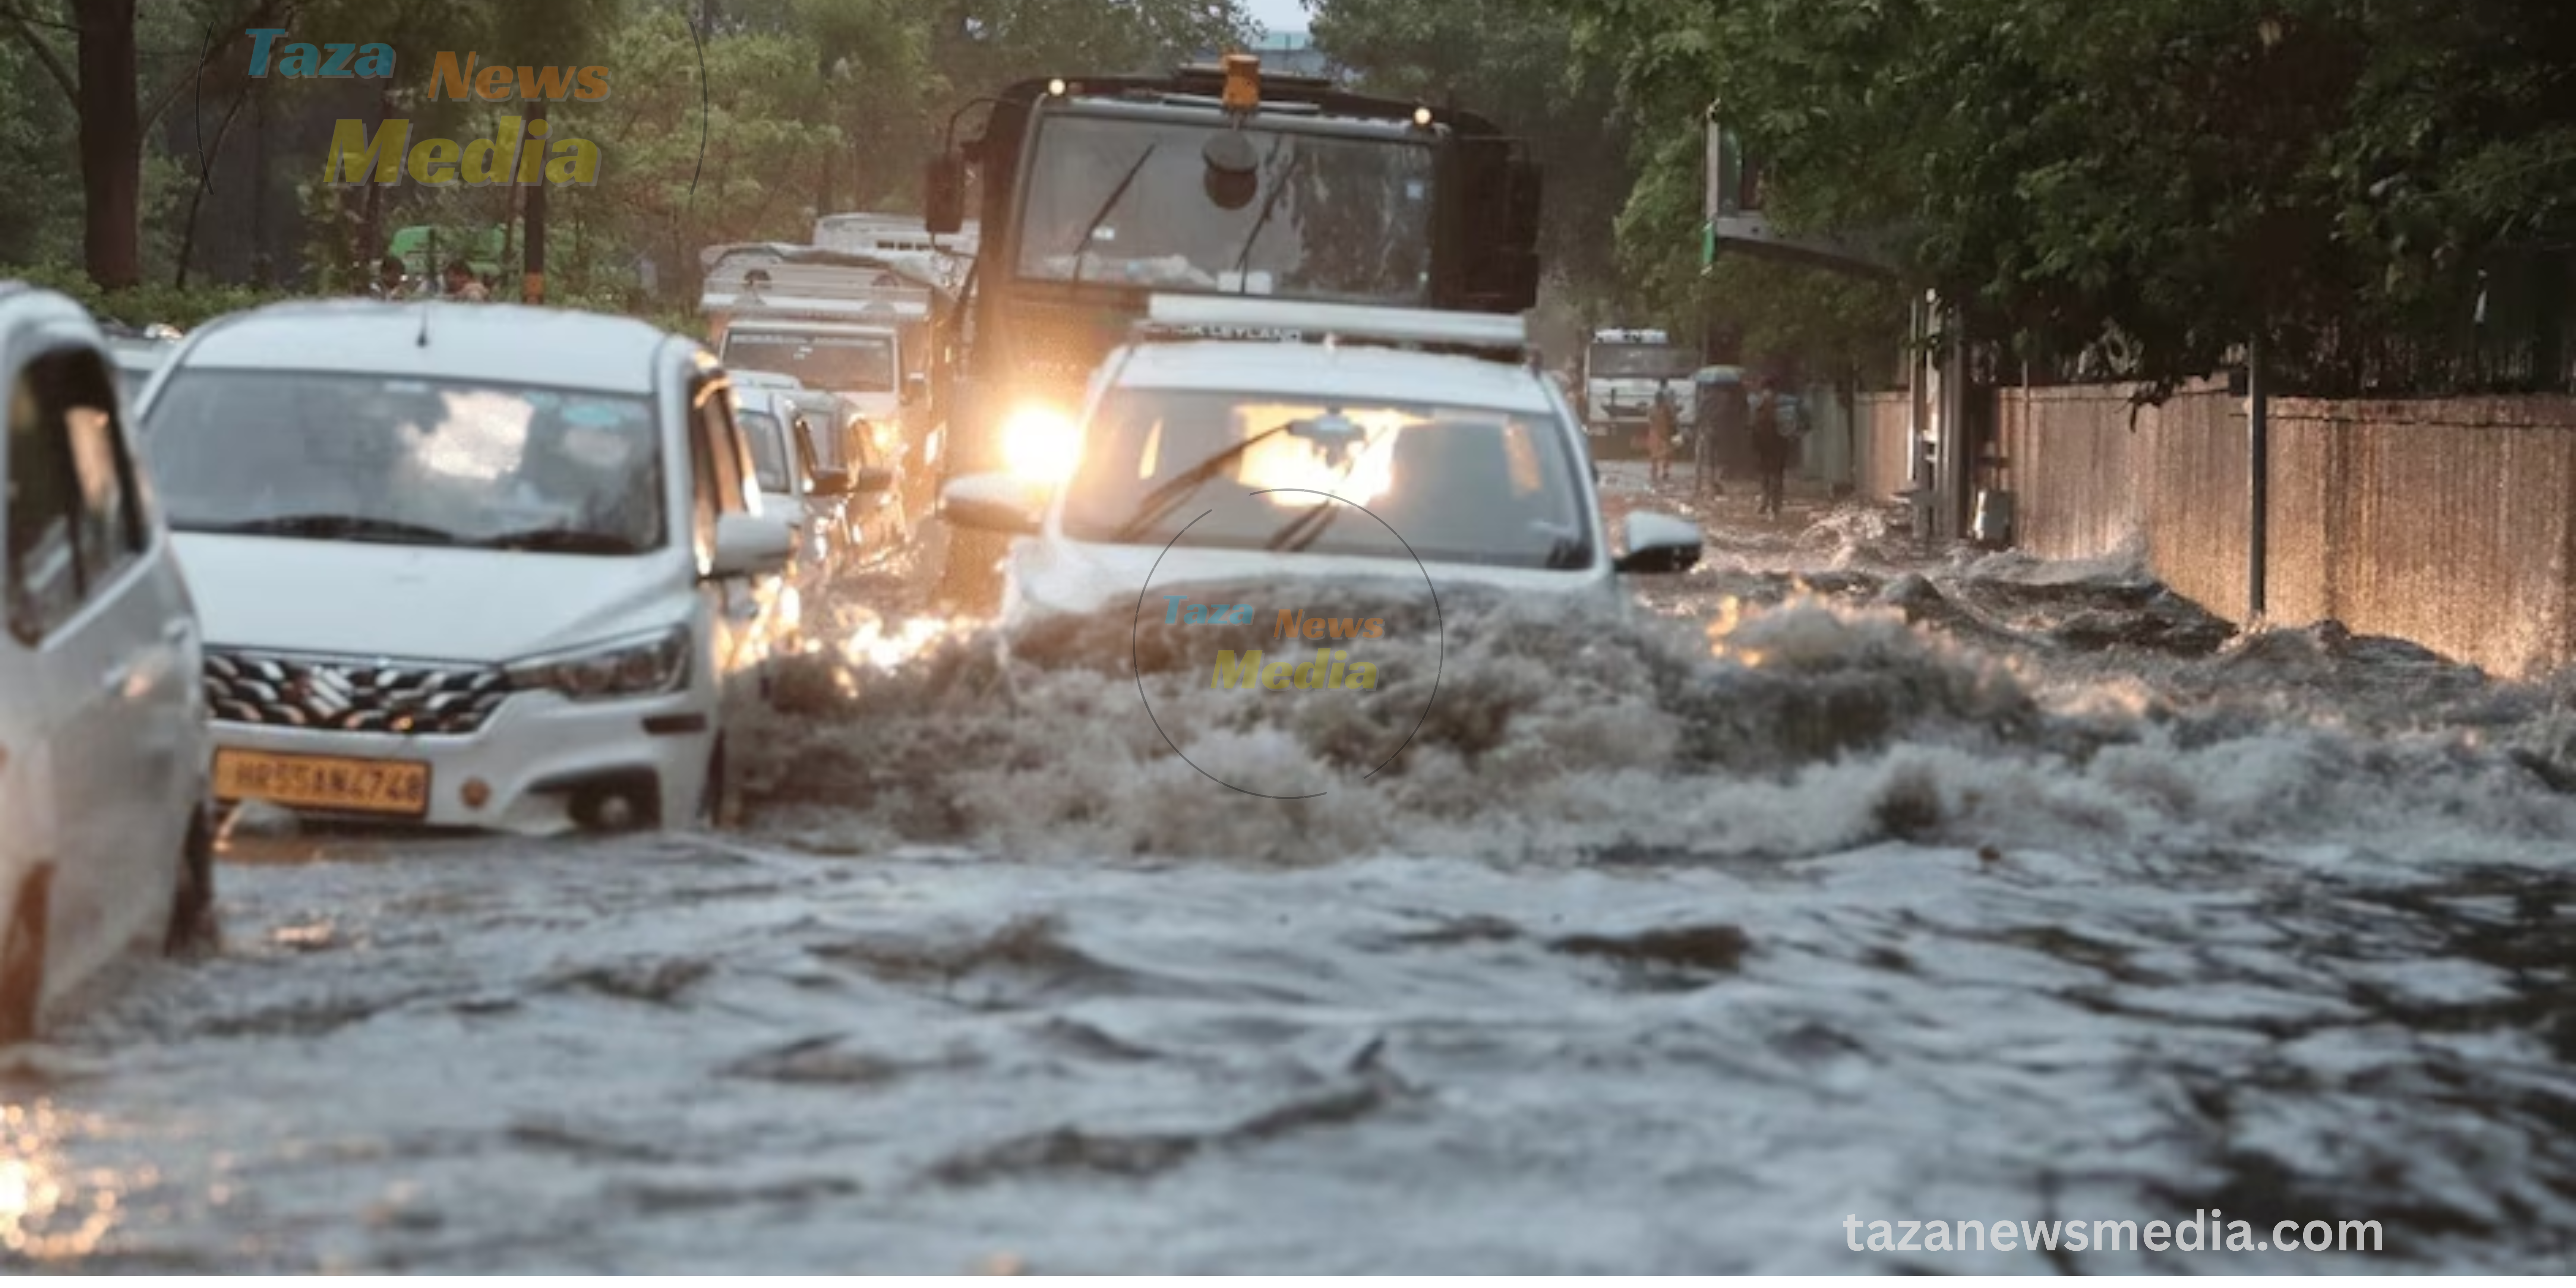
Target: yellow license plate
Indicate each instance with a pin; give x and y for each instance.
(323, 782)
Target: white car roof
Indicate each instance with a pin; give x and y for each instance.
(763, 379)
(1348, 370)
(509, 343)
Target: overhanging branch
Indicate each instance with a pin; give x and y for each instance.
(45, 55)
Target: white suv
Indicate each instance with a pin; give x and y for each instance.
(1209, 460)
(475, 566)
(104, 836)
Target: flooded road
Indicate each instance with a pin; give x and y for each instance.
(1844, 881)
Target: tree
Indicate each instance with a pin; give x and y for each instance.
(101, 81)
(979, 46)
(2173, 175)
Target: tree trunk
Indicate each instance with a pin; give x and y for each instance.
(111, 143)
(533, 289)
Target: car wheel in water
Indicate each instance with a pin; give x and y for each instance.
(22, 956)
(193, 927)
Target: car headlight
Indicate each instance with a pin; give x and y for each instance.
(627, 668)
(1041, 444)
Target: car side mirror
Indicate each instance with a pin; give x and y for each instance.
(751, 545)
(831, 483)
(874, 478)
(1660, 543)
(990, 503)
(943, 194)
(915, 385)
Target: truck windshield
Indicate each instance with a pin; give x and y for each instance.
(1641, 362)
(1348, 219)
(846, 363)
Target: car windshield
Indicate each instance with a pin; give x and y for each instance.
(1332, 217)
(1456, 484)
(410, 461)
(853, 363)
(1641, 361)
(768, 449)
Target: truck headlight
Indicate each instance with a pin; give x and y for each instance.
(636, 666)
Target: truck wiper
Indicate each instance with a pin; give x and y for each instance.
(1163, 500)
(1116, 195)
(1243, 285)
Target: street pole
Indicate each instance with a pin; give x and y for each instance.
(2258, 477)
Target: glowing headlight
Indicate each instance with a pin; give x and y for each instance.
(627, 668)
(1041, 444)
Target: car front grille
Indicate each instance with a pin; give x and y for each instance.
(372, 695)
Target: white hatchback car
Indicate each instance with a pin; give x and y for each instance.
(1203, 460)
(103, 747)
(475, 566)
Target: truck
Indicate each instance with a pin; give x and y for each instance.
(855, 328)
(866, 233)
(1099, 192)
(1622, 368)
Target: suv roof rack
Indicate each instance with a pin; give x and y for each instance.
(1503, 336)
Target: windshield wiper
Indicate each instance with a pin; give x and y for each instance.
(345, 527)
(569, 541)
(1243, 284)
(1116, 195)
(1163, 500)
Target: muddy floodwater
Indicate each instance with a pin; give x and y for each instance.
(1845, 881)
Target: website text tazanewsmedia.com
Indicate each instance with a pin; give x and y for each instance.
(2204, 1232)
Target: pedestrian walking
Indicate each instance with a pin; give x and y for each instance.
(1775, 437)
(1659, 434)
(1719, 407)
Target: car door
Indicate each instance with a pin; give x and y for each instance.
(110, 635)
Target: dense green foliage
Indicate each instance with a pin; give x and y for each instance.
(2382, 190)
(2155, 180)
